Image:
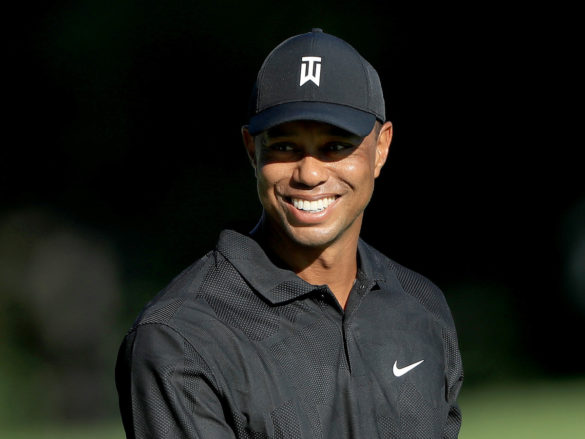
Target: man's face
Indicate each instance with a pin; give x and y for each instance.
(315, 180)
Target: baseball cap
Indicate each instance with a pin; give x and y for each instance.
(316, 76)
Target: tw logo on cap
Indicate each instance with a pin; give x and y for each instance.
(310, 69)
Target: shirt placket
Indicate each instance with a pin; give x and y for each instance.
(343, 318)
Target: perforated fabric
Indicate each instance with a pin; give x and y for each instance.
(286, 424)
(164, 313)
(423, 290)
(387, 428)
(454, 364)
(417, 408)
(234, 303)
(236, 347)
(312, 367)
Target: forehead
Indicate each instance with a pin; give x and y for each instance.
(304, 127)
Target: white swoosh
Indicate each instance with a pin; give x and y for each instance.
(401, 371)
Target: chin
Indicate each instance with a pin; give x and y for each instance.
(312, 237)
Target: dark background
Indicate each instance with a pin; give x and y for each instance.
(122, 161)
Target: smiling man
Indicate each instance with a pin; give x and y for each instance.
(314, 182)
(299, 329)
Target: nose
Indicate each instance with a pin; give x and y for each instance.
(310, 171)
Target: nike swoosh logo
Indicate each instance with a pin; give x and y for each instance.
(398, 372)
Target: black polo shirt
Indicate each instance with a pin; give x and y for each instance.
(238, 347)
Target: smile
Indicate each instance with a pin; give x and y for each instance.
(312, 206)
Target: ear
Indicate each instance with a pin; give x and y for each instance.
(250, 145)
(382, 147)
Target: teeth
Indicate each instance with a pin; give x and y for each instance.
(313, 206)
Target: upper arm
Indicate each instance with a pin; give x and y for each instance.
(165, 387)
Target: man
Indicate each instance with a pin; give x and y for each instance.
(299, 329)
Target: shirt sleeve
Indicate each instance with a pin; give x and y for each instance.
(454, 382)
(453, 424)
(165, 388)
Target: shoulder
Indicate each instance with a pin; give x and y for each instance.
(175, 325)
(189, 300)
(183, 288)
(414, 284)
(158, 328)
(210, 296)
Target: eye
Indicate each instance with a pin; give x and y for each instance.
(282, 147)
(338, 146)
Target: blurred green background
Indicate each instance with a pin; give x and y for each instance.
(123, 161)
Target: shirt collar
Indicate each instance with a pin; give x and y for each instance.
(276, 284)
(372, 262)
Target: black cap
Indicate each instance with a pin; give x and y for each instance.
(316, 76)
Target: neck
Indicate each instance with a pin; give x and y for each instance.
(334, 264)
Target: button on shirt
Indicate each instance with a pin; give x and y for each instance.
(237, 347)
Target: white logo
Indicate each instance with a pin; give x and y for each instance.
(310, 69)
(399, 372)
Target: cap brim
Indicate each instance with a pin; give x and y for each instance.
(355, 121)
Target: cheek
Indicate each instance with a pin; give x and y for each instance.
(261, 182)
(268, 176)
(357, 171)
